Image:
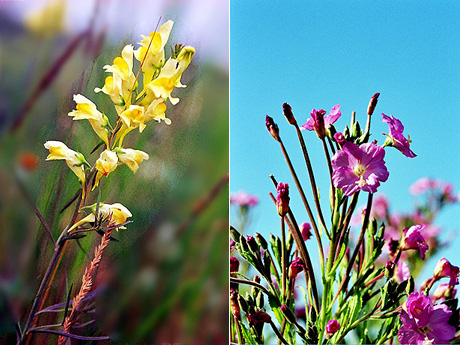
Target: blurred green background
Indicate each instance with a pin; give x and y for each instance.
(163, 282)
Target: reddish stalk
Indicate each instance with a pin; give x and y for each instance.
(87, 283)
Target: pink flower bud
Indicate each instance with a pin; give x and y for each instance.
(234, 264)
(339, 138)
(372, 104)
(272, 128)
(234, 304)
(445, 269)
(332, 327)
(282, 198)
(295, 268)
(305, 229)
(287, 111)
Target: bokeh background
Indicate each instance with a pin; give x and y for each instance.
(319, 54)
(164, 281)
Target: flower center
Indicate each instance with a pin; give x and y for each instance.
(359, 170)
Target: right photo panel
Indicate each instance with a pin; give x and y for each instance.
(344, 172)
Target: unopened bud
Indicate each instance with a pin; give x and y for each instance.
(260, 300)
(295, 268)
(282, 198)
(288, 314)
(234, 264)
(261, 240)
(389, 269)
(252, 244)
(235, 234)
(339, 138)
(272, 128)
(372, 104)
(234, 304)
(355, 130)
(287, 111)
(242, 303)
(332, 327)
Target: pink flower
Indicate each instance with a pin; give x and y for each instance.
(282, 198)
(332, 327)
(259, 317)
(402, 273)
(422, 185)
(445, 269)
(413, 239)
(305, 229)
(295, 268)
(359, 168)
(424, 323)
(319, 123)
(241, 198)
(339, 138)
(396, 137)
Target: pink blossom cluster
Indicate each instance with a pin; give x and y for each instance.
(244, 199)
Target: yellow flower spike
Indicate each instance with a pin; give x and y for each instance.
(132, 158)
(170, 75)
(75, 160)
(87, 110)
(155, 44)
(157, 111)
(105, 164)
(112, 88)
(134, 117)
(117, 212)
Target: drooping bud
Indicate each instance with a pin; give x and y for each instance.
(373, 104)
(332, 327)
(282, 198)
(288, 314)
(413, 239)
(295, 268)
(272, 128)
(305, 230)
(234, 264)
(287, 111)
(445, 269)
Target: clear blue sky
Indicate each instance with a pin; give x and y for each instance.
(318, 54)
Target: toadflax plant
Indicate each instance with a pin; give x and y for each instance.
(137, 99)
(363, 290)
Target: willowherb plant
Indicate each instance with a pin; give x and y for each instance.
(364, 290)
(137, 100)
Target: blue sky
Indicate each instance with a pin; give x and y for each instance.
(318, 54)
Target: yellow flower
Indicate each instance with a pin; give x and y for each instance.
(132, 158)
(87, 110)
(112, 87)
(105, 164)
(153, 58)
(134, 117)
(170, 75)
(48, 20)
(156, 111)
(75, 160)
(122, 70)
(117, 213)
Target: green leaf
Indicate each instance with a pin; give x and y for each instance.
(248, 337)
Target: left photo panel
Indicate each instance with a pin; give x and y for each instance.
(114, 160)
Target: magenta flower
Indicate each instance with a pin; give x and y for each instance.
(332, 327)
(305, 230)
(259, 317)
(319, 123)
(295, 268)
(413, 239)
(445, 269)
(424, 323)
(234, 264)
(359, 168)
(282, 198)
(272, 128)
(339, 138)
(402, 273)
(243, 199)
(287, 111)
(396, 137)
